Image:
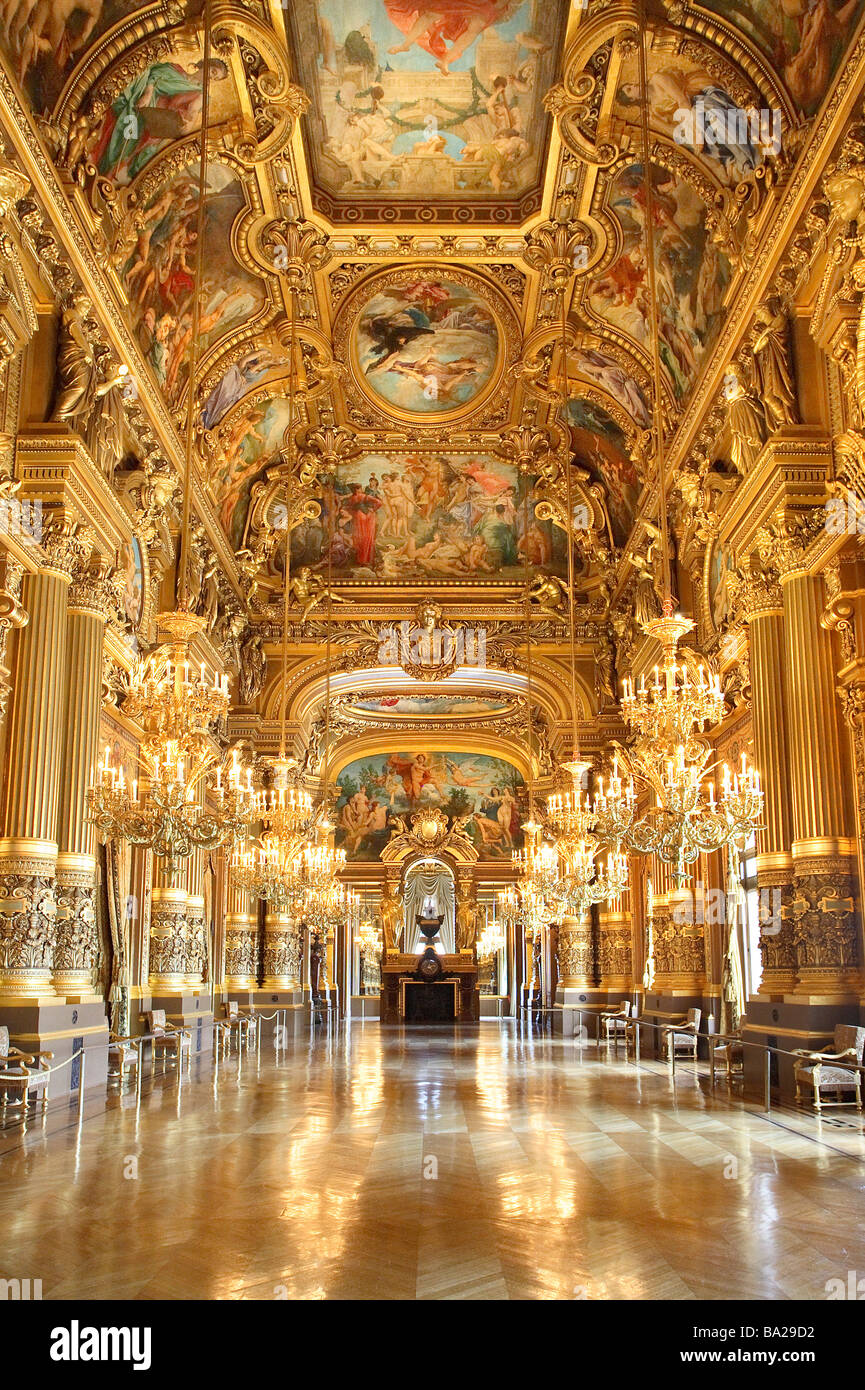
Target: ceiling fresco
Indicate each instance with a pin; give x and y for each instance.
(438, 107)
(692, 273)
(804, 43)
(395, 194)
(427, 516)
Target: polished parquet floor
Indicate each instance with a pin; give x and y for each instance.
(431, 1164)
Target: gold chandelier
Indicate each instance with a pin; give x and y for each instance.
(180, 714)
(263, 870)
(580, 827)
(671, 713)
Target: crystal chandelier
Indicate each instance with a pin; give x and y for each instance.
(179, 713)
(368, 935)
(579, 826)
(669, 715)
(263, 870)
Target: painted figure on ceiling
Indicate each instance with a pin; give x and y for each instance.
(432, 24)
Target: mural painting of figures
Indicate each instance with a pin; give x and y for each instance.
(162, 104)
(427, 99)
(490, 791)
(598, 366)
(804, 39)
(678, 89)
(428, 516)
(448, 705)
(426, 347)
(158, 275)
(46, 38)
(601, 447)
(250, 370)
(247, 447)
(691, 272)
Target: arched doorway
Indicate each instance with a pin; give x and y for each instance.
(429, 884)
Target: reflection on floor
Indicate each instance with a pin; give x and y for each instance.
(432, 1164)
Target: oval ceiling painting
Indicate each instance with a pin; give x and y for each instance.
(424, 346)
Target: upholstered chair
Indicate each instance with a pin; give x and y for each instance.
(614, 1022)
(837, 1071)
(22, 1071)
(683, 1037)
(730, 1056)
(168, 1040)
(123, 1055)
(235, 1018)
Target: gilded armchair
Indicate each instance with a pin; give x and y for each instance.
(614, 1022)
(683, 1037)
(168, 1039)
(23, 1071)
(838, 1070)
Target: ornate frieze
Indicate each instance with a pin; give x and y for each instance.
(76, 947)
(27, 915)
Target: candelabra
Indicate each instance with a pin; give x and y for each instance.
(267, 871)
(179, 714)
(670, 755)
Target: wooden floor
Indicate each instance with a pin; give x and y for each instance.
(431, 1164)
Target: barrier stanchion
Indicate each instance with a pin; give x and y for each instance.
(768, 1079)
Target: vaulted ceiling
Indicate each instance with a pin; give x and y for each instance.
(422, 143)
(440, 170)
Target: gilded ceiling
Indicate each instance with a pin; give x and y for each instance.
(437, 173)
(420, 146)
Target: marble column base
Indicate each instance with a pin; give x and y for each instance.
(50, 1025)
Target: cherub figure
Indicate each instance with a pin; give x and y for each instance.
(309, 590)
(551, 596)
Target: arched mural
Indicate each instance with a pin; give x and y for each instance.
(375, 790)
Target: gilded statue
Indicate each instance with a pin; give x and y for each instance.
(78, 383)
(551, 596)
(467, 917)
(745, 419)
(309, 590)
(390, 913)
(771, 349)
(605, 671)
(253, 667)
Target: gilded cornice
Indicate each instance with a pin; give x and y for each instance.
(791, 472)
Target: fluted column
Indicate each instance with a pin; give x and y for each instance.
(241, 939)
(75, 943)
(28, 848)
(768, 649)
(825, 926)
(281, 963)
